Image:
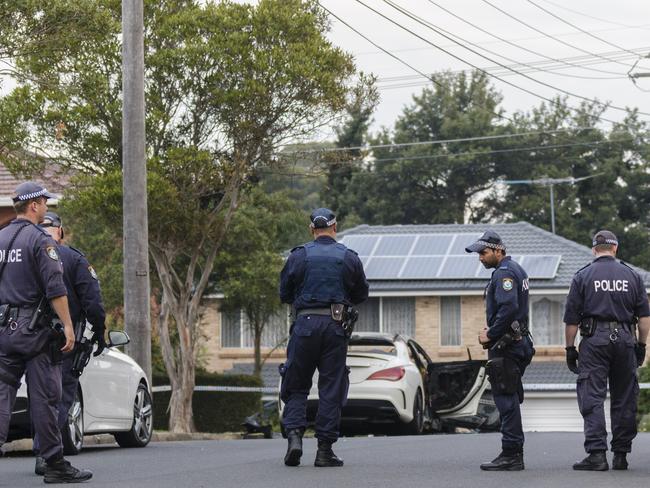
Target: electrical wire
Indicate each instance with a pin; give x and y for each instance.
(555, 16)
(641, 27)
(431, 27)
(510, 43)
(516, 19)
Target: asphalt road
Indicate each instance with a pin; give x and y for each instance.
(426, 461)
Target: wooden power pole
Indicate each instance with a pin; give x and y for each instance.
(134, 173)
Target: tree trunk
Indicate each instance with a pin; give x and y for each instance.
(181, 416)
(257, 370)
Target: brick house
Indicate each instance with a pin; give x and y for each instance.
(423, 284)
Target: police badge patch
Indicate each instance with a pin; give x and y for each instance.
(507, 284)
(92, 272)
(51, 253)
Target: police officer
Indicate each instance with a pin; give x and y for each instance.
(85, 303)
(606, 299)
(510, 348)
(316, 276)
(31, 275)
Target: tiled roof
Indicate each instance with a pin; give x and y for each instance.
(53, 177)
(520, 238)
(539, 372)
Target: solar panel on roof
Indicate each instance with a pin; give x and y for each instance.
(362, 245)
(421, 268)
(459, 267)
(381, 268)
(462, 241)
(432, 244)
(394, 245)
(541, 267)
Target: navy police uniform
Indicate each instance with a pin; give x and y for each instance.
(506, 301)
(608, 296)
(32, 270)
(316, 275)
(85, 303)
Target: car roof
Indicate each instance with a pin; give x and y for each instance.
(375, 339)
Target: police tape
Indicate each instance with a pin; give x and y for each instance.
(233, 389)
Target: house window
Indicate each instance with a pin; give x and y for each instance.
(236, 330)
(391, 315)
(450, 329)
(546, 319)
(398, 315)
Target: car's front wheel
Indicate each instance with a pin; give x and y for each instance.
(416, 426)
(142, 427)
(72, 434)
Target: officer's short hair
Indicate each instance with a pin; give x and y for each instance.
(603, 247)
(21, 205)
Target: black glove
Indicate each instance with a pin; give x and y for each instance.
(639, 351)
(101, 342)
(572, 358)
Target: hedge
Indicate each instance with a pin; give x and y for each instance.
(643, 415)
(213, 411)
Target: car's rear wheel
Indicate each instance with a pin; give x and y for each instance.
(142, 427)
(72, 434)
(416, 426)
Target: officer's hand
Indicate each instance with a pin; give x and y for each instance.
(101, 343)
(483, 337)
(639, 351)
(572, 358)
(68, 331)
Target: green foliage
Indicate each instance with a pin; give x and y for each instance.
(643, 413)
(213, 411)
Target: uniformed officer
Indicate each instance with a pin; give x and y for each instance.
(31, 277)
(606, 299)
(316, 276)
(510, 347)
(85, 303)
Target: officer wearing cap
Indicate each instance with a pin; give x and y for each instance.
(85, 303)
(316, 277)
(510, 347)
(31, 281)
(605, 301)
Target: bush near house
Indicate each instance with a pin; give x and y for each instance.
(213, 411)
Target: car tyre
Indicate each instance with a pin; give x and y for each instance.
(142, 427)
(416, 426)
(72, 434)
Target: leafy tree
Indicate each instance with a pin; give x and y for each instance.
(226, 85)
(248, 268)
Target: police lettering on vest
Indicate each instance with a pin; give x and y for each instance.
(611, 285)
(12, 256)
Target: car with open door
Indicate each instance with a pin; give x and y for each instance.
(113, 397)
(394, 382)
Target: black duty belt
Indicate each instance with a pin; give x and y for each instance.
(314, 311)
(19, 312)
(611, 325)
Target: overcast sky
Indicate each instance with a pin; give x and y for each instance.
(623, 26)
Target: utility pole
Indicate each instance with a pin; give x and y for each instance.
(137, 321)
(550, 182)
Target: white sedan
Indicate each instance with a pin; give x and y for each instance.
(113, 397)
(393, 381)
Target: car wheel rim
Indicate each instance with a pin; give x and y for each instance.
(76, 423)
(143, 416)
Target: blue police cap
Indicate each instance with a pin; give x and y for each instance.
(30, 190)
(51, 219)
(604, 237)
(489, 239)
(322, 218)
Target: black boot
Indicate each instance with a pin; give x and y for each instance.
(506, 461)
(61, 471)
(294, 449)
(39, 467)
(620, 461)
(596, 461)
(325, 457)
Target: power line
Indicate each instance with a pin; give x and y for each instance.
(575, 26)
(516, 19)
(510, 42)
(433, 28)
(641, 27)
(442, 141)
